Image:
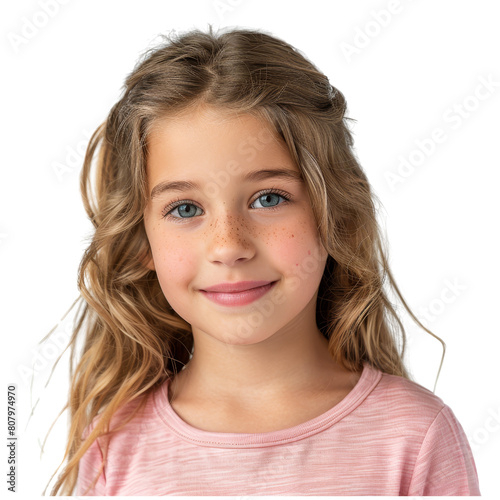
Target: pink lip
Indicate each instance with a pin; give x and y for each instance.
(240, 286)
(238, 294)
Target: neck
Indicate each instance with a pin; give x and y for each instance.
(293, 361)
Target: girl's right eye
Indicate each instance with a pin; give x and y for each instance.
(184, 209)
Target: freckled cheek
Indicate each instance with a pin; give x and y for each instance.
(291, 244)
(175, 267)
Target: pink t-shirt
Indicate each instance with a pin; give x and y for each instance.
(388, 436)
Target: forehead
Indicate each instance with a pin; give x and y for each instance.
(207, 139)
(205, 117)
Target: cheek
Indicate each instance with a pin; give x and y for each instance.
(297, 248)
(175, 267)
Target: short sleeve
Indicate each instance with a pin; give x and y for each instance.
(445, 465)
(89, 466)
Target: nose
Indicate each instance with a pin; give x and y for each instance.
(229, 241)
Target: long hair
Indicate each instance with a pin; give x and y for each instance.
(132, 338)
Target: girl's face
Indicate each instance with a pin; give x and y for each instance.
(236, 210)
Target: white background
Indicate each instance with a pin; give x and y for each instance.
(418, 67)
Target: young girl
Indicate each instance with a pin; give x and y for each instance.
(237, 336)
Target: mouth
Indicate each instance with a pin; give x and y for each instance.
(240, 286)
(239, 297)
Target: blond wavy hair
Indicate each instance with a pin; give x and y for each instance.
(132, 338)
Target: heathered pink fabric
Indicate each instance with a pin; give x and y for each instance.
(388, 436)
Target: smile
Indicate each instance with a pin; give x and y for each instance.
(238, 298)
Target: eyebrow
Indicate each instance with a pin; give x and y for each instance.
(257, 175)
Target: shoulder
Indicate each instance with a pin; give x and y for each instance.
(408, 393)
(404, 403)
(442, 461)
(417, 421)
(128, 418)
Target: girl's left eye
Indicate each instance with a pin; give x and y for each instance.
(186, 207)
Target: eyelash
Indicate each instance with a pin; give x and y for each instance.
(177, 203)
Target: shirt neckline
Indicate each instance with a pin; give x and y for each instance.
(369, 378)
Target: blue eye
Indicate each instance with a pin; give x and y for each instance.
(268, 198)
(188, 210)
